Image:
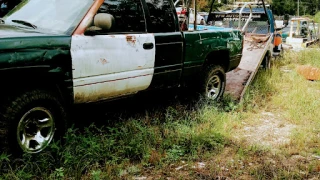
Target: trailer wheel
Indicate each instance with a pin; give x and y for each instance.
(214, 83)
(266, 62)
(30, 121)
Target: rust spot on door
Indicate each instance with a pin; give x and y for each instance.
(131, 39)
(103, 61)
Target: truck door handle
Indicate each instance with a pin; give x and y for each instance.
(147, 45)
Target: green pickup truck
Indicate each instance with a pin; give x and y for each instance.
(54, 54)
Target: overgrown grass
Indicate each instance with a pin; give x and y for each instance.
(126, 148)
(153, 144)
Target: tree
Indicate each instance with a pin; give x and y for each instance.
(281, 7)
(317, 17)
(204, 5)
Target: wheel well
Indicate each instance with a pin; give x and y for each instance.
(220, 57)
(19, 82)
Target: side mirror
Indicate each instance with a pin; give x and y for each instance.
(102, 22)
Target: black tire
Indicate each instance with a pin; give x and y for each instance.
(29, 121)
(213, 83)
(266, 62)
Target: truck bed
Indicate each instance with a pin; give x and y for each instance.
(240, 78)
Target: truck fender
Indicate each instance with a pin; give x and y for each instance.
(32, 77)
(218, 57)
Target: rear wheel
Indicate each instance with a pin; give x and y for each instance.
(31, 120)
(214, 83)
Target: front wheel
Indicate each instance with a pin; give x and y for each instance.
(31, 120)
(214, 83)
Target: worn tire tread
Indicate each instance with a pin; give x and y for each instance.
(15, 105)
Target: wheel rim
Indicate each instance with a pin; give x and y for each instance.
(35, 130)
(214, 87)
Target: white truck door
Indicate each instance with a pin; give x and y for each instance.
(115, 63)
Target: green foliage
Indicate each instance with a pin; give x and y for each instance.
(309, 57)
(96, 174)
(57, 174)
(282, 7)
(317, 17)
(175, 153)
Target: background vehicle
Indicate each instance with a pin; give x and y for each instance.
(181, 12)
(285, 33)
(204, 15)
(303, 33)
(84, 51)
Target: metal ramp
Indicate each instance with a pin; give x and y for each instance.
(240, 78)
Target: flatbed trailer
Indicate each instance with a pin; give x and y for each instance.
(240, 78)
(259, 45)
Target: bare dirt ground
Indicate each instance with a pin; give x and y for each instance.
(268, 131)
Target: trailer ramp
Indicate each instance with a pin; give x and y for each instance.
(240, 78)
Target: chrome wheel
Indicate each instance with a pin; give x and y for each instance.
(35, 130)
(214, 87)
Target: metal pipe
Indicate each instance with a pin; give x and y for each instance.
(298, 9)
(240, 15)
(265, 10)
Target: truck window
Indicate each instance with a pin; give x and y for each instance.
(128, 15)
(161, 16)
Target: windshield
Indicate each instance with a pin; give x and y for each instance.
(57, 16)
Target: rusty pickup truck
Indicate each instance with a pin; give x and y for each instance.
(54, 54)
